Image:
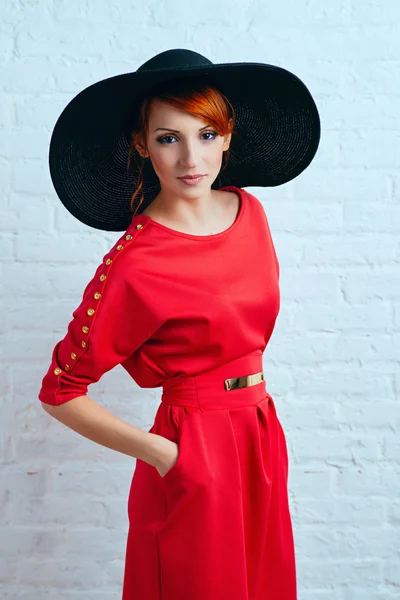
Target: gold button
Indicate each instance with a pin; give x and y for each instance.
(67, 367)
(139, 226)
(102, 277)
(108, 261)
(120, 246)
(90, 312)
(83, 344)
(97, 295)
(128, 237)
(73, 355)
(85, 329)
(57, 371)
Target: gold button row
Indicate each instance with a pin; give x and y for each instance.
(96, 296)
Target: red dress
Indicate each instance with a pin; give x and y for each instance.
(187, 312)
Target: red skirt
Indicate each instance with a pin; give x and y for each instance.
(217, 526)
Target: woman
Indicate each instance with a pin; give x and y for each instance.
(186, 299)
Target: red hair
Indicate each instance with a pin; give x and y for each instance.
(197, 96)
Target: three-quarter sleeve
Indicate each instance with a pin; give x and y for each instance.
(113, 319)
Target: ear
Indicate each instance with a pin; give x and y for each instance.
(227, 137)
(142, 152)
(140, 147)
(227, 141)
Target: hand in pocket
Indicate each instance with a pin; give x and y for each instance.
(167, 456)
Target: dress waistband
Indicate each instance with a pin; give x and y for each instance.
(208, 390)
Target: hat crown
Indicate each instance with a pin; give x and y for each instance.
(174, 59)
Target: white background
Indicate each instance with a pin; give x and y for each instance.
(332, 364)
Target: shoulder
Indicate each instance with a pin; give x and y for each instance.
(121, 255)
(232, 191)
(250, 197)
(252, 202)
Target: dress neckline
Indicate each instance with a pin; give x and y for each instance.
(213, 236)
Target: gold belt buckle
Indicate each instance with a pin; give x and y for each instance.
(245, 381)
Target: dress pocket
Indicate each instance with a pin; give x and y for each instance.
(174, 470)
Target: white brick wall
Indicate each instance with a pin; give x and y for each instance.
(332, 365)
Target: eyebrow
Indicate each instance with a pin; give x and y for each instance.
(176, 131)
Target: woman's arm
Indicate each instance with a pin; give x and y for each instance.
(86, 417)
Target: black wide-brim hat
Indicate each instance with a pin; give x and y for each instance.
(276, 118)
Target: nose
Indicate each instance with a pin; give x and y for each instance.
(188, 155)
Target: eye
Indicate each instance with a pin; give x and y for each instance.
(213, 133)
(162, 139)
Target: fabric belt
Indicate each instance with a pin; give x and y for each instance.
(236, 383)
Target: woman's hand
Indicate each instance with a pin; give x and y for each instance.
(165, 453)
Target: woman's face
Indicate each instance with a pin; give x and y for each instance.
(180, 144)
